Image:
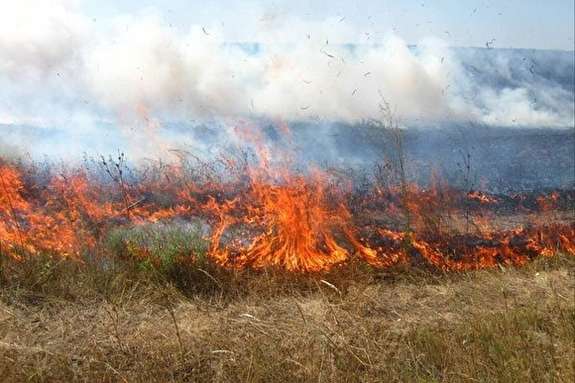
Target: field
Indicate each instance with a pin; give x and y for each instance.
(287, 191)
(249, 269)
(60, 321)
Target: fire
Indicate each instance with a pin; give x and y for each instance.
(293, 227)
(12, 204)
(273, 217)
(480, 197)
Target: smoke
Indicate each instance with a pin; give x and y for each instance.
(39, 37)
(57, 69)
(199, 75)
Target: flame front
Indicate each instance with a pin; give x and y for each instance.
(264, 218)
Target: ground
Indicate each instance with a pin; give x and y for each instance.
(70, 323)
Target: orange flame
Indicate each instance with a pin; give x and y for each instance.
(272, 218)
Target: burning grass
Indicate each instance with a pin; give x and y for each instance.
(261, 217)
(244, 270)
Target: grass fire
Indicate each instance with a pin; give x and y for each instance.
(286, 193)
(264, 218)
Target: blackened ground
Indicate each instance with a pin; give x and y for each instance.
(494, 159)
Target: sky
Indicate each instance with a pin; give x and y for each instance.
(512, 23)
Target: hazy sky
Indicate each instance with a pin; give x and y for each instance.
(512, 23)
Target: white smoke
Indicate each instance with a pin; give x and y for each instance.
(39, 37)
(55, 65)
(199, 75)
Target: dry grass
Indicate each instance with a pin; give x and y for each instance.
(62, 322)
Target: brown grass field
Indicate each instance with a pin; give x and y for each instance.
(301, 280)
(63, 322)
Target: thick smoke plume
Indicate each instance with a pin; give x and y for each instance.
(137, 63)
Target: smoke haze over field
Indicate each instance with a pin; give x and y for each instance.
(71, 82)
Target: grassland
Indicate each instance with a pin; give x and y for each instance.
(165, 319)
